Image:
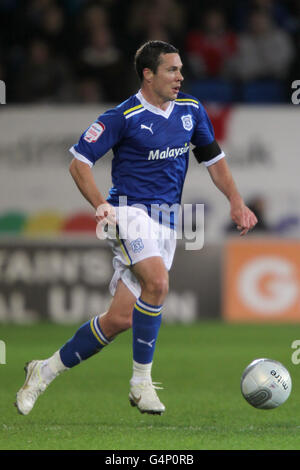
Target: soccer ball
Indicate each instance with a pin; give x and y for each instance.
(266, 384)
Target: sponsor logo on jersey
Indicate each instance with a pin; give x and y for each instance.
(168, 153)
(148, 128)
(187, 122)
(94, 131)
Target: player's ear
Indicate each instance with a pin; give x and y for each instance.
(148, 74)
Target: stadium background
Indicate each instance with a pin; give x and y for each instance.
(63, 64)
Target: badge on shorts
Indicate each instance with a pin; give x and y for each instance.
(187, 122)
(94, 131)
(137, 245)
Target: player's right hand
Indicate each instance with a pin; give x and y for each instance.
(106, 213)
(105, 216)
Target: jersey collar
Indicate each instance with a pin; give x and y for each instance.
(154, 109)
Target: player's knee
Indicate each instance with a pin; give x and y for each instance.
(158, 287)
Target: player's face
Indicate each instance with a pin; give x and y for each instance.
(168, 78)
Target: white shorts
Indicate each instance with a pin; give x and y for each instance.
(139, 237)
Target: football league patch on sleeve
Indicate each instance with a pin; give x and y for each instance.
(94, 132)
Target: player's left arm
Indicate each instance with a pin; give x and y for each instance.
(241, 215)
(207, 150)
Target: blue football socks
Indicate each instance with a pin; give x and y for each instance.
(87, 341)
(146, 321)
(90, 339)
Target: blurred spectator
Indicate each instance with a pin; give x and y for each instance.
(278, 11)
(102, 61)
(33, 14)
(89, 44)
(88, 91)
(94, 18)
(2, 65)
(163, 20)
(53, 29)
(172, 15)
(264, 50)
(43, 77)
(210, 48)
(90, 18)
(295, 68)
(154, 26)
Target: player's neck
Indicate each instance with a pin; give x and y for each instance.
(154, 99)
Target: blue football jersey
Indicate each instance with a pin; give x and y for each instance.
(150, 148)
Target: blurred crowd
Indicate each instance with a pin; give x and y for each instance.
(82, 51)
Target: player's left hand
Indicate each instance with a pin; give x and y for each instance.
(244, 218)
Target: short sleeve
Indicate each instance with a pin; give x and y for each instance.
(99, 137)
(206, 149)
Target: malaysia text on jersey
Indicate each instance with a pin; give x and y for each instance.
(150, 147)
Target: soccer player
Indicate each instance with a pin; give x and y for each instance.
(149, 134)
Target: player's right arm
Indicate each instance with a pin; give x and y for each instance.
(101, 136)
(85, 182)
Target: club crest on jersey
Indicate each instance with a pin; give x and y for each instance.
(187, 122)
(94, 131)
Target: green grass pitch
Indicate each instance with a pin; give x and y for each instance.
(199, 366)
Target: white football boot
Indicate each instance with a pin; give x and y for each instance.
(144, 397)
(33, 387)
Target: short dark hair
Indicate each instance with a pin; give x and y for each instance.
(148, 56)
